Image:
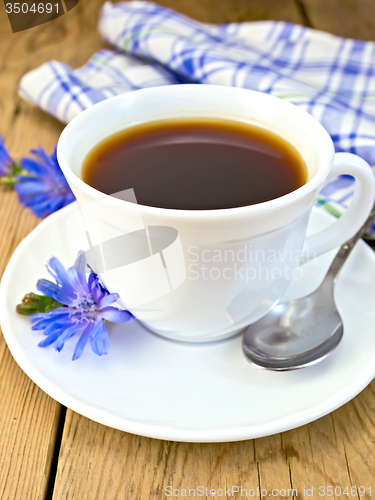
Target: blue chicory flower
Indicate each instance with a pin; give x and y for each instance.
(6, 161)
(87, 303)
(45, 190)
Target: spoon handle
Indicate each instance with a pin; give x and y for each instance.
(348, 246)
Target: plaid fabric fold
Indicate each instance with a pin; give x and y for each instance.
(330, 77)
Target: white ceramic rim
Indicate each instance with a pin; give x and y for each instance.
(90, 114)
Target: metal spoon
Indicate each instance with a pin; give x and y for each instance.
(301, 332)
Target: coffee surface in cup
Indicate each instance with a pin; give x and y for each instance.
(196, 164)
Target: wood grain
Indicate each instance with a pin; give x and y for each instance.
(28, 417)
(28, 425)
(226, 11)
(348, 18)
(97, 462)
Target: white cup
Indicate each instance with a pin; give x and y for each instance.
(203, 275)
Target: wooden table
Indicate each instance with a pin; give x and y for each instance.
(49, 452)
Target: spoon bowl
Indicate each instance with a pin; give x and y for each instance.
(273, 342)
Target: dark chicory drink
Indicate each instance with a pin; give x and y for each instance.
(196, 164)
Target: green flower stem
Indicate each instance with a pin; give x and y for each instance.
(9, 180)
(32, 304)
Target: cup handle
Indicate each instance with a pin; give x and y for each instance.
(357, 213)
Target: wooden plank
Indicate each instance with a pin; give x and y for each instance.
(98, 462)
(28, 426)
(348, 18)
(226, 11)
(273, 468)
(354, 426)
(315, 457)
(336, 450)
(28, 417)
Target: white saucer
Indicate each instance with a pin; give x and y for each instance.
(200, 393)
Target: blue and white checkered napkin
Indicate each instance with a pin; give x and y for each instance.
(330, 77)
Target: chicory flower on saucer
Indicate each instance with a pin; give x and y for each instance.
(42, 187)
(77, 305)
